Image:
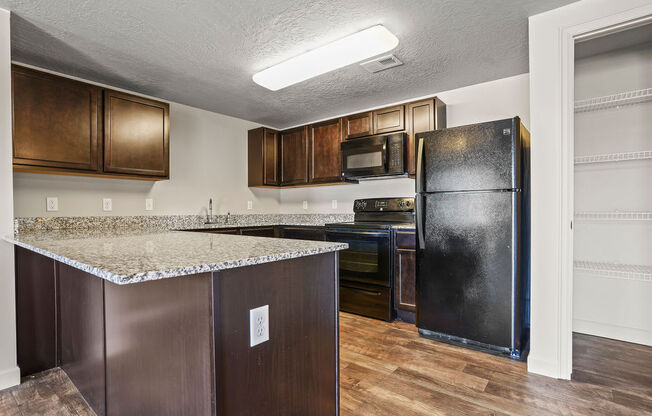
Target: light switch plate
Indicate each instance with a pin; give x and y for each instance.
(250, 205)
(305, 204)
(258, 325)
(149, 204)
(52, 203)
(107, 204)
(334, 204)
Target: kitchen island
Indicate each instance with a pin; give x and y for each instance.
(157, 323)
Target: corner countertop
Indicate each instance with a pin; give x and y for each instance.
(124, 257)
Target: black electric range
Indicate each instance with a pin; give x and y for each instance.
(366, 268)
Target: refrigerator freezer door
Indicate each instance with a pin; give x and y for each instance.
(469, 158)
(467, 272)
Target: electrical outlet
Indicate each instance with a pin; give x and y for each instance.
(149, 204)
(305, 204)
(52, 203)
(250, 205)
(334, 204)
(258, 325)
(107, 204)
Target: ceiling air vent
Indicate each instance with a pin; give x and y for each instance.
(382, 63)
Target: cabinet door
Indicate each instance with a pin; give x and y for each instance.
(136, 135)
(358, 125)
(422, 116)
(270, 157)
(389, 119)
(325, 153)
(304, 233)
(404, 275)
(294, 157)
(259, 231)
(55, 121)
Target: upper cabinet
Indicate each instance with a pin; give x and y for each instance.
(422, 116)
(263, 162)
(294, 156)
(388, 120)
(312, 155)
(62, 126)
(55, 122)
(325, 155)
(136, 135)
(358, 125)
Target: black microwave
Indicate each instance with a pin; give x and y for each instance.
(374, 156)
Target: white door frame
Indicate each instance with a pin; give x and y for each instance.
(552, 69)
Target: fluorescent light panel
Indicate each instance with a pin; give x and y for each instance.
(346, 51)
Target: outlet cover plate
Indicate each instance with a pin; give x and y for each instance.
(334, 203)
(305, 204)
(258, 325)
(250, 204)
(107, 204)
(52, 203)
(149, 204)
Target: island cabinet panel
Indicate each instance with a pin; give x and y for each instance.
(405, 275)
(81, 333)
(325, 153)
(35, 312)
(263, 157)
(390, 119)
(259, 231)
(55, 121)
(422, 116)
(358, 125)
(136, 135)
(295, 372)
(159, 347)
(294, 156)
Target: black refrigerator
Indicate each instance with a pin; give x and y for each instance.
(473, 225)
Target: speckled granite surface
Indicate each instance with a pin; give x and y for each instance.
(131, 256)
(171, 222)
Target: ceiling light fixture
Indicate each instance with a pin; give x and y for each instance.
(346, 51)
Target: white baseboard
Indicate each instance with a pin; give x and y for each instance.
(545, 367)
(621, 333)
(9, 377)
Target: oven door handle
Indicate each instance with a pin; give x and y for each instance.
(366, 292)
(355, 233)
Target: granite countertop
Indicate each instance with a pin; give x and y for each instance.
(124, 257)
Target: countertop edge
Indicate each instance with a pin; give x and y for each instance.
(176, 272)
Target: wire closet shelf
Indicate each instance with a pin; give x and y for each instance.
(615, 100)
(613, 216)
(615, 270)
(614, 157)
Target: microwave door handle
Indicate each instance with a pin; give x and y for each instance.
(385, 154)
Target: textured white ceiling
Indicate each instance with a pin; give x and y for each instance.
(204, 52)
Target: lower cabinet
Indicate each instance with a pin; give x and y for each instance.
(405, 275)
(259, 231)
(303, 233)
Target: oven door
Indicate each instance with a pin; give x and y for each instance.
(368, 258)
(364, 157)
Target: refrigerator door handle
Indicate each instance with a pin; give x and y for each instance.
(419, 173)
(421, 243)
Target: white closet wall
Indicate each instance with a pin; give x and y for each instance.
(612, 295)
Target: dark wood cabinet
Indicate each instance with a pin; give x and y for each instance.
(405, 275)
(303, 233)
(358, 125)
(263, 157)
(389, 119)
(422, 116)
(136, 135)
(294, 156)
(259, 231)
(55, 121)
(325, 153)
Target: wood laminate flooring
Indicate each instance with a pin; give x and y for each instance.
(387, 369)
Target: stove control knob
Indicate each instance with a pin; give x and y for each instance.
(407, 204)
(400, 204)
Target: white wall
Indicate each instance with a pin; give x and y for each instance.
(494, 100)
(551, 141)
(9, 373)
(208, 158)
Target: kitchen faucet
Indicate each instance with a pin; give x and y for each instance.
(209, 214)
